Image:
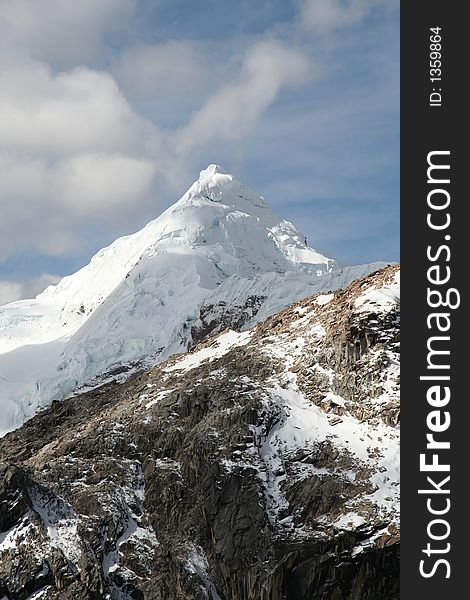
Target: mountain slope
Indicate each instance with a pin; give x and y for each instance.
(262, 465)
(218, 257)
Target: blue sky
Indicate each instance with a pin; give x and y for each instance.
(111, 108)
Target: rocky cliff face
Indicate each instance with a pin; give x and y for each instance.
(262, 465)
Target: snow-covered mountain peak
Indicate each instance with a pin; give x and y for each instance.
(215, 185)
(217, 258)
(218, 220)
(212, 170)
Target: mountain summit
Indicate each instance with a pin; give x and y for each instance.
(217, 258)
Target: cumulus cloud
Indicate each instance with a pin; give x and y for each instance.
(324, 16)
(72, 149)
(61, 114)
(62, 33)
(13, 290)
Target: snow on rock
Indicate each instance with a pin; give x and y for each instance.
(61, 524)
(305, 425)
(335, 399)
(219, 257)
(39, 594)
(381, 298)
(197, 565)
(218, 348)
(144, 537)
(155, 399)
(9, 539)
(322, 299)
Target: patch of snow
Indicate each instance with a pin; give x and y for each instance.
(9, 539)
(284, 348)
(379, 299)
(349, 521)
(197, 564)
(318, 330)
(221, 346)
(38, 594)
(230, 464)
(303, 424)
(157, 398)
(370, 541)
(132, 532)
(61, 524)
(335, 399)
(134, 529)
(323, 299)
(328, 372)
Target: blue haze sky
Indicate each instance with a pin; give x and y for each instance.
(110, 108)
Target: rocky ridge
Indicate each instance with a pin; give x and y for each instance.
(262, 465)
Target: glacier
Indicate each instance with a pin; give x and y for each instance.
(141, 299)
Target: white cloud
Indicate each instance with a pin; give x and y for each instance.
(174, 66)
(44, 205)
(85, 184)
(324, 16)
(233, 110)
(61, 114)
(100, 182)
(62, 32)
(9, 292)
(13, 290)
(72, 149)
